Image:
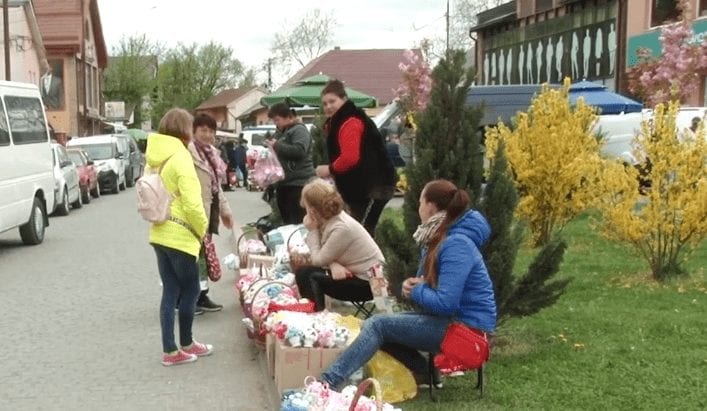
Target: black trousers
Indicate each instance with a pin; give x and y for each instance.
(288, 198)
(315, 282)
(368, 212)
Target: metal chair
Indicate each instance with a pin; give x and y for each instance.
(431, 366)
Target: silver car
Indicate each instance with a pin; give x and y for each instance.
(67, 192)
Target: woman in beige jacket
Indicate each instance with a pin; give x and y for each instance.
(209, 167)
(341, 250)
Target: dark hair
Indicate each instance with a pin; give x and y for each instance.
(202, 119)
(335, 87)
(446, 197)
(281, 110)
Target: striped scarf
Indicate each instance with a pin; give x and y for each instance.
(217, 167)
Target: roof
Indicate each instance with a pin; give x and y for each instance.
(373, 71)
(60, 23)
(225, 97)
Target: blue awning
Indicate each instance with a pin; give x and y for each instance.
(598, 96)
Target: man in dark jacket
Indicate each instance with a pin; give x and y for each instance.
(293, 146)
(240, 162)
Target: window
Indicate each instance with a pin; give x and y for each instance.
(4, 131)
(703, 8)
(664, 11)
(543, 5)
(26, 116)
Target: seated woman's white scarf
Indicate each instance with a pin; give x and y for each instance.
(425, 231)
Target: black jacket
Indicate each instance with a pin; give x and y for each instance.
(294, 150)
(374, 169)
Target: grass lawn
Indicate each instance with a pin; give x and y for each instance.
(615, 339)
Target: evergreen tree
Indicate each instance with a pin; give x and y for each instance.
(319, 151)
(446, 146)
(531, 292)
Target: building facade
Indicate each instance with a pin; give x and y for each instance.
(76, 56)
(643, 31)
(26, 46)
(539, 41)
(229, 105)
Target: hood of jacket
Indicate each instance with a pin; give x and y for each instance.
(472, 225)
(160, 147)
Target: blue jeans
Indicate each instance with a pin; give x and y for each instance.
(412, 330)
(179, 272)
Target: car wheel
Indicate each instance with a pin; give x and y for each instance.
(115, 189)
(96, 192)
(129, 180)
(32, 233)
(77, 204)
(63, 208)
(85, 196)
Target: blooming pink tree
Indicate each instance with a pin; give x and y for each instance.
(676, 73)
(413, 93)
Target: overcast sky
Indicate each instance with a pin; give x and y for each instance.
(248, 26)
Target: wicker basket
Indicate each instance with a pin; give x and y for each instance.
(258, 335)
(377, 393)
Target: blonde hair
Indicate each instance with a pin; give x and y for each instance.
(323, 198)
(177, 122)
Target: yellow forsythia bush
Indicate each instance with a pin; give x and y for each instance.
(672, 215)
(554, 159)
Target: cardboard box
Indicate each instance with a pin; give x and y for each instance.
(292, 365)
(270, 342)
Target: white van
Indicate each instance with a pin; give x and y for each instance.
(27, 187)
(107, 156)
(617, 132)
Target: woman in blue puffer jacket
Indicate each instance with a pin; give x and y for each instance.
(452, 284)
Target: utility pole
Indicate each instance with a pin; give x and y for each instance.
(269, 74)
(6, 39)
(447, 15)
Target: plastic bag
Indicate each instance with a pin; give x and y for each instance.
(396, 380)
(267, 169)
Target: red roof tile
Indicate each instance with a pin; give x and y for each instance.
(374, 72)
(225, 97)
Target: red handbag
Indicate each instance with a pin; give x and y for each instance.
(213, 267)
(463, 348)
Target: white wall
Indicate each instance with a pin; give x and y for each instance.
(236, 108)
(24, 63)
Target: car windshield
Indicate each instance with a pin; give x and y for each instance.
(257, 139)
(76, 158)
(99, 151)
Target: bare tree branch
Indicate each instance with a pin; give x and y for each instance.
(305, 41)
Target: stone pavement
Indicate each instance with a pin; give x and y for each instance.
(80, 321)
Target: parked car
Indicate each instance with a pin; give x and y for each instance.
(66, 178)
(88, 175)
(134, 160)
(26, 173)
(103, 150)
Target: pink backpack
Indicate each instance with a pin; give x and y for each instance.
(153, 198)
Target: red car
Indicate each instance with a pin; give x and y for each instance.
(88, 176)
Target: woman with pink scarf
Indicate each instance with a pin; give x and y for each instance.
(209, 167)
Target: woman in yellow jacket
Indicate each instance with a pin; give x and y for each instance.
(178, 240)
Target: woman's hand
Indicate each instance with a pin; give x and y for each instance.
(409, 284)
(323, 171)
(227, 221)
(310, 223)
(270, 143)
(339, 272)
